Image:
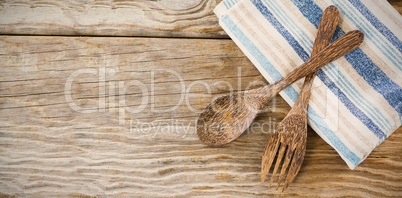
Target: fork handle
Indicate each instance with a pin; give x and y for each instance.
(333, 51)
(326, 30)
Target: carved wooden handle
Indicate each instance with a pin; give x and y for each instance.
(335, 50)
(326, 30)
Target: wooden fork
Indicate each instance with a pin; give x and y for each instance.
(291, 133)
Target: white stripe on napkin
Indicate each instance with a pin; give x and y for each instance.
(356, 101)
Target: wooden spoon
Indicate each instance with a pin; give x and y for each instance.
(227, 117)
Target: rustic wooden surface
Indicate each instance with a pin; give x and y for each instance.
(161, 18)
(149, 18)
(48, 149)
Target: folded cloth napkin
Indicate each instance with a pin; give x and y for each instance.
(356, 101)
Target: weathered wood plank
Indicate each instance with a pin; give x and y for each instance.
(49, 149)
(162, 18)
(397, 4)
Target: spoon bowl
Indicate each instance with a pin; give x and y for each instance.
(227, 117)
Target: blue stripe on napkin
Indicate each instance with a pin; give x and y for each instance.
(370, 72)
(376, 38)
(357, 98)
(377, 24)
(304, 56)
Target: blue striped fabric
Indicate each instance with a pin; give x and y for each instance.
(365, 85)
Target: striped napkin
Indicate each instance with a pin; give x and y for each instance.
(356, 101)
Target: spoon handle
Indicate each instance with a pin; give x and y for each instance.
(335, 50)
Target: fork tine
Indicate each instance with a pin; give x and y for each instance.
(269, 154)
(295, 166)
(285, 165)
(278, 161)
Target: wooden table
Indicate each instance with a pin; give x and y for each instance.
(67, 131)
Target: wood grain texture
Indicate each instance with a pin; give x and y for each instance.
(48, 149)
(151, 18)
(397, 4)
